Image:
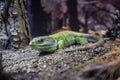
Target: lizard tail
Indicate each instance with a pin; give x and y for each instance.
(96, 44)
(91, 39)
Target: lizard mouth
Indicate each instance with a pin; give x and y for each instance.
(44, 43)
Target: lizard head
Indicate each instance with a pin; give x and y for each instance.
(44, 44)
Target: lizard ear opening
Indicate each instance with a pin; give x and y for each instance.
(45, 40)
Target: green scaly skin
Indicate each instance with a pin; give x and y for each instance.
(63, 39)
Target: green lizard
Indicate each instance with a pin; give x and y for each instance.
(62, 39)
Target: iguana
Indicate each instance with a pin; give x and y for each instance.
(62, 39)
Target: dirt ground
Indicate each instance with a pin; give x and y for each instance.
(28, 64)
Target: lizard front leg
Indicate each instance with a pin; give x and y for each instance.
(60, 44)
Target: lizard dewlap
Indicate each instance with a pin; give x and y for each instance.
(60, 40)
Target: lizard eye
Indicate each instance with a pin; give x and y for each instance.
(40, 41)
(44, 40)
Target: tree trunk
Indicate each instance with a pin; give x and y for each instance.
(15, 24)
(37, 18)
